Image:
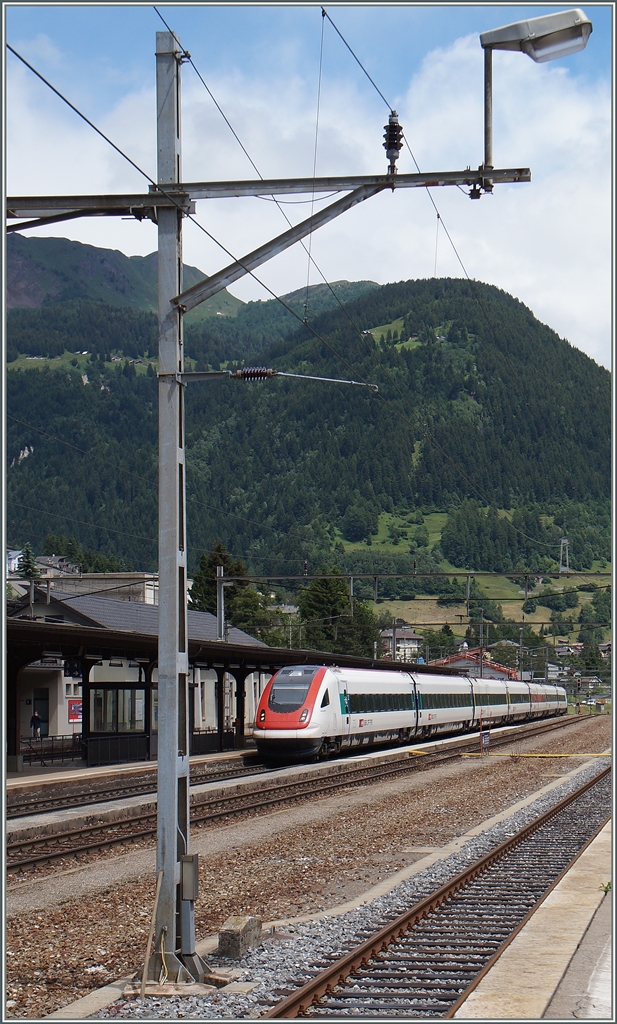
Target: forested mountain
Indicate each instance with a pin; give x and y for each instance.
(45, 275)
(479, 406)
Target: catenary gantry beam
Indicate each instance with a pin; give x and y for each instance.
(38, 210)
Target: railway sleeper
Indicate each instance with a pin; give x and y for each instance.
(388, 984)
(340, 1003)
(418, 974)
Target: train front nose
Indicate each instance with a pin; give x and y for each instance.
(283, 728)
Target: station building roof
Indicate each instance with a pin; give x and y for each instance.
(127, 616)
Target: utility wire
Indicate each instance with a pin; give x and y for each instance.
(136, 476)
(272, 199)
(310, 244)
(296, 202)
(429, 194)
(470, 281)
(194, 221)
(279, 202)
(325, 14)
(69, 519)
(78, 112)
(190, 60)
(308, 251)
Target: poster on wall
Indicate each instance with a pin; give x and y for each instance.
(74, 707)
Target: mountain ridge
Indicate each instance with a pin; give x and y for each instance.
(44, 270)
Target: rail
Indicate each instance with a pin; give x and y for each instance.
(354, 976)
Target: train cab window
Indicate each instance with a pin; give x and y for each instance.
(290, 687)
(325, 700)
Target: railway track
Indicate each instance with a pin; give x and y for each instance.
(21, 806)
(25, 854)
(425, 963)
(139, 786)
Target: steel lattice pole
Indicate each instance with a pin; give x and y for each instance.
(174, 920)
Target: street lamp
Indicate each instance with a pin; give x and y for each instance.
(545, 38)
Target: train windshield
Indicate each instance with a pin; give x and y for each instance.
(290, 687)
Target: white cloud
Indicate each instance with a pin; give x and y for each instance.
(42, 49)
(547, 242)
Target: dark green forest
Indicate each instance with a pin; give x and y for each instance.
(480, 408)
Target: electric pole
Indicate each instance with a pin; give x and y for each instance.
(564, 557)
(175, 917)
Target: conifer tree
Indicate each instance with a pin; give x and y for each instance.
(203, 591)
(327, 622)
(27, 569)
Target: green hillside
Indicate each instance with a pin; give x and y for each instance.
(488, 427)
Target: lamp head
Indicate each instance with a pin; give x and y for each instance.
(545, 38)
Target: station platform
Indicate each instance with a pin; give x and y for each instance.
(70, 769)
(559, 965)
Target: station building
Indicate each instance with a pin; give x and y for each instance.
(107, 700)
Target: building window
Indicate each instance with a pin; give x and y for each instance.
(117, 710)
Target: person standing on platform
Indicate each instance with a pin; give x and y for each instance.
(35, 725)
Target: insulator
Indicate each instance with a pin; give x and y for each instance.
(393, 141)
(255, 373)
(392, 133)
(393, 137)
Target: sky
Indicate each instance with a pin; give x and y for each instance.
(547, 242)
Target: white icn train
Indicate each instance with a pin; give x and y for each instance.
(310, 711)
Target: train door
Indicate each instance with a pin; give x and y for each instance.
(345, 709)
(416, 705)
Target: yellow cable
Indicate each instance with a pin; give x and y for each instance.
(163, 973)
(536, 755)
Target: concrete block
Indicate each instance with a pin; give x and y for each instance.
(237, 935)
(240, 986)
(133, 989)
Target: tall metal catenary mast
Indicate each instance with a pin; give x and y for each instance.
(175, 923)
